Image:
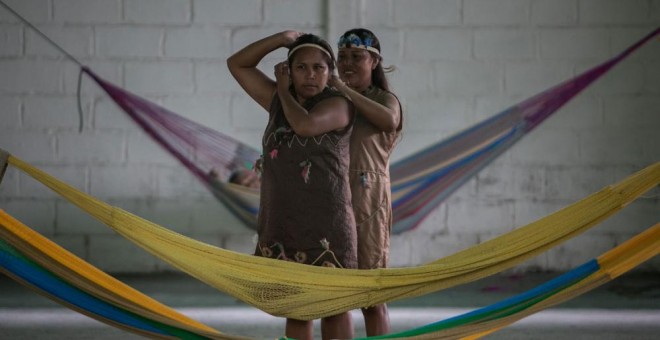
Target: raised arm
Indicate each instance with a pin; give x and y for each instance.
(327, 115)
(386, 117)
(243, 66)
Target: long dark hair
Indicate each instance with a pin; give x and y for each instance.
(309, 38)
(378, 77)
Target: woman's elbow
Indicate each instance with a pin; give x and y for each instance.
(231, 64)
(305, 131)
(389, 125)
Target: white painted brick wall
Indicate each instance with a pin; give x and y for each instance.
(579, 44)
(31, 146)
(157, 77)
(615, 12)
(449, 43)
(157, 11)
(494, 215)
(141, 149)
(227, 12)
(458, 62)
(21, 76)
(83, 148)
(211, 110)
(306, 13)
(76, 244)
(129, 41)
(129, 181)
(36, 11)
(507, 44)
(87, 11)
(425, 115)
(24, 211)
(496, 12)
(75, 176)
(11, 113)
(11, 41)
(54, 112)
(126, 257)
(554, 13)
(9, 187)
(73, 222)
(214, 78)
(436, 13)
(172, 214)
(76, 40)
(527, 78)
(470, 78)
(196, 43)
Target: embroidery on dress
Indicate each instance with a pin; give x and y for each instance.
(269, 251)
(276, 251)
(363, 180)
(281, 135)
(300, 257)
(306, 168)
(326, 245)
(302, 141)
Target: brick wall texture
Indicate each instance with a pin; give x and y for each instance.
(457, 62)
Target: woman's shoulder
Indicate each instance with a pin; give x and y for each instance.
(381, 96)
(327, 93)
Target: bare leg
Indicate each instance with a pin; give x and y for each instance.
(299, 329)
(338, 326)
(376, 320)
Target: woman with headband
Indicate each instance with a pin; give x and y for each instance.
(305, 212)
(375, 133)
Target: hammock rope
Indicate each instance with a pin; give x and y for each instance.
(38, 263)
(580, 280)
(304, 292)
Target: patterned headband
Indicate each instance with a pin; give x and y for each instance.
(353, 40)
(293, 50)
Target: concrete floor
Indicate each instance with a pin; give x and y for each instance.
(627, 308)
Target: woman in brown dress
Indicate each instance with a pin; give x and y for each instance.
(377, 128)
(305, 212)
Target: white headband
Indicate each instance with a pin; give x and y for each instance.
(308, 45)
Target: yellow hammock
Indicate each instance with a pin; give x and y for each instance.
(89, 279)
(307, 292)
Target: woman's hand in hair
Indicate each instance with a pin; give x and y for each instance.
(282, 76)
(289, 37)
(336, 82)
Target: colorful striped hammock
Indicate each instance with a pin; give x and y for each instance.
(38, 263)
(420, 182)
(293, 290)
(52, 271)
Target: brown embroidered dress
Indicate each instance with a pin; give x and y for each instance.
(370, 185)
(305, 212)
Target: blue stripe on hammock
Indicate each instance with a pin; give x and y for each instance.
(51, 284)
(560, 282)
(452, 139)
(444, 171)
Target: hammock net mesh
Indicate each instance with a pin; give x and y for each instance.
(303, 292)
